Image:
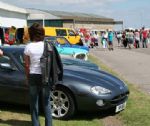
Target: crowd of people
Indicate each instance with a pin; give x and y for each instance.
(94, 38)
(133, 38)
(9, 35)
(12, 35)
(127, 38)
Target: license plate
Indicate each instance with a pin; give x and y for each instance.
(120, 107)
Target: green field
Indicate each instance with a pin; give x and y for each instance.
(19, 117)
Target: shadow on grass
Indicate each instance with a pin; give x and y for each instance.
(11, 108)
(89, 116)
(25, 110)
(93, 115)
(13, 122)
(14, 108)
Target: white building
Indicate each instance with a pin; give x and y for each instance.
(12, 16)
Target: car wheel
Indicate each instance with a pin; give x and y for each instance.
(62, 104)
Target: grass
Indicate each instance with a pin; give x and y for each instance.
(137, 112)
(22, 118)
(138, 109)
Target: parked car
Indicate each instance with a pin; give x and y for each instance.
(82, 89)
(68, 33)
(79, 62)
(64, 47)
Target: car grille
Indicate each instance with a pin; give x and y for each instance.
(80, 56)
(119, 98)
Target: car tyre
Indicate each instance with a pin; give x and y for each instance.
(62, 104)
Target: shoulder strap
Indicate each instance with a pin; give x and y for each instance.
(48, 46)
(45, 49)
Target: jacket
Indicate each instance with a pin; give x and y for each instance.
(51, 65)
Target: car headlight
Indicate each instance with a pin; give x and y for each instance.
(98, 90)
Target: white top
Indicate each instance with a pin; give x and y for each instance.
(34, 50)
(106, 35)
(137, 36)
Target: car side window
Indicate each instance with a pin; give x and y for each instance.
(61, 32)
(7, 63)
(20, 58)
(71, 32)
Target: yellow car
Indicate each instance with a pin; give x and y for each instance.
(68, 33)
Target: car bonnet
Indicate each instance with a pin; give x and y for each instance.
(94, 77)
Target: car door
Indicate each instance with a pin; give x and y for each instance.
(64, 46)
(12, 82)
(72, 38)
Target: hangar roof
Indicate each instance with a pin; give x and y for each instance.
(66, 15)
(8, 7)
(80, 16)
(39, 14)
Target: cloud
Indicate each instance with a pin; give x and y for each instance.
(58, 2)
(86, 6)
(67, 1)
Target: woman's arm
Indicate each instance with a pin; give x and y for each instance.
(1, 52)
(27, 65)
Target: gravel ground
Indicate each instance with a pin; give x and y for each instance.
(133, 65)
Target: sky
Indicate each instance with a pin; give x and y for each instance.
(134, 13)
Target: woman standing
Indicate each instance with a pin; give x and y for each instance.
(33, 52)
(137, 38)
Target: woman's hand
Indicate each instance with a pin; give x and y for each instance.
(1, 52)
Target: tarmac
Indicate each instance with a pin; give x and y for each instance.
(131, 64)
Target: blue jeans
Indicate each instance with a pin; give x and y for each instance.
(35, 88)
(144, 43)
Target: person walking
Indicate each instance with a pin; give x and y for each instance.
(110, 40)
(137, 38)
(10, 35)
(104, 39)
(96, 38)
(144, 37)
(118, 36)
(124, 39)
(148, 37)
(130, 38)
(33, 52)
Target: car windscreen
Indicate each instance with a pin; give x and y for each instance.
(71, 33)
(61, 32)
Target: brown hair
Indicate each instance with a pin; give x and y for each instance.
(36, 32)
